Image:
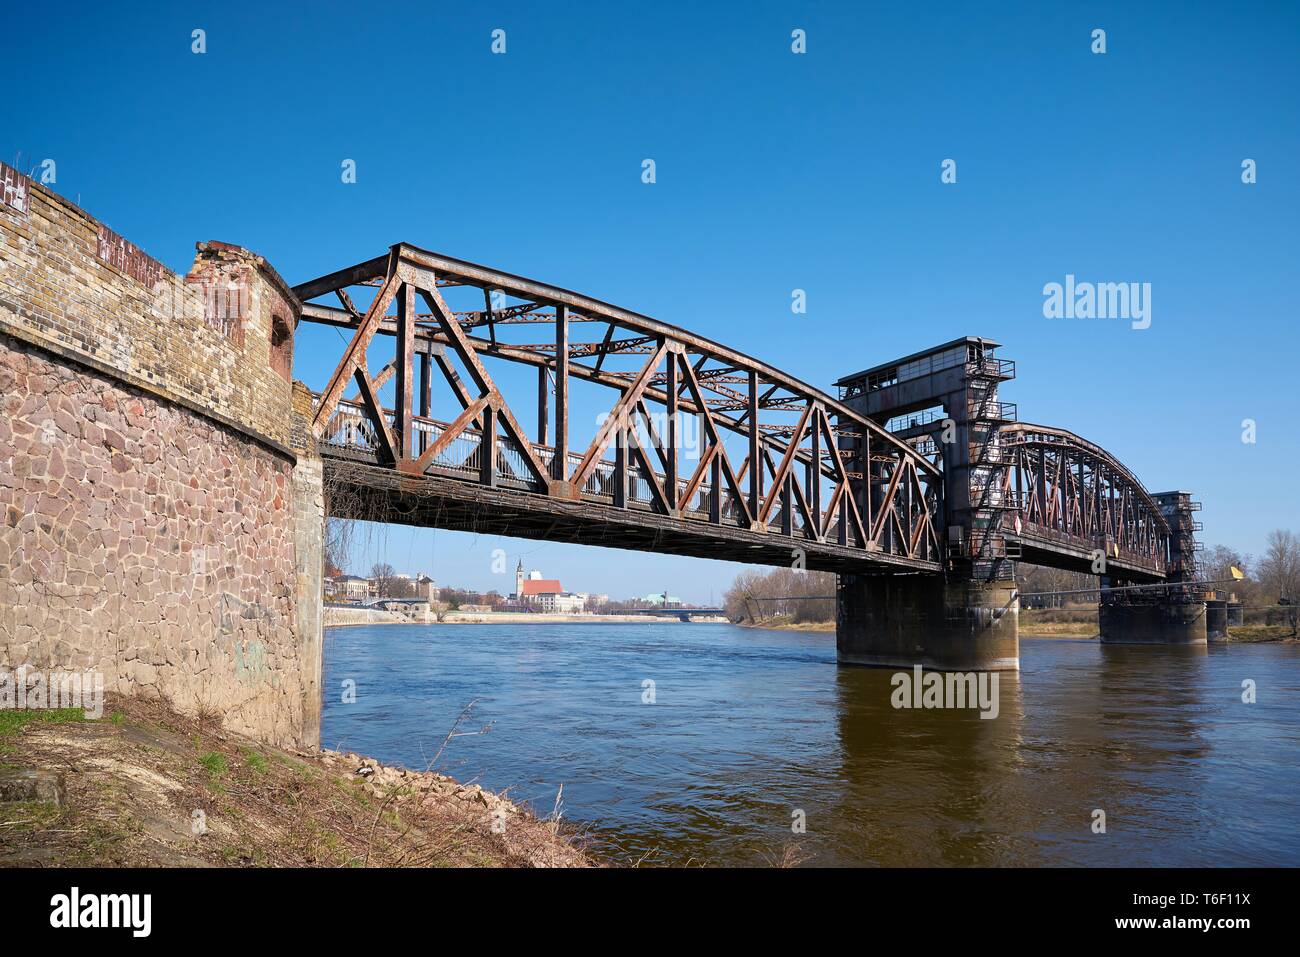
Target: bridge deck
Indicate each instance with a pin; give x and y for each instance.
(452, 497)
(1049, 547)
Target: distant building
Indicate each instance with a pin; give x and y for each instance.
(561, 602)
(545, 594)
(350, 588)
(359, 589)
(536, 587)
(407, 606)
(663, 598)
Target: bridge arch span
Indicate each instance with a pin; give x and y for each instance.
(705, 450)
(1070, 498)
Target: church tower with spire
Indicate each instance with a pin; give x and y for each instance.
(519, 581)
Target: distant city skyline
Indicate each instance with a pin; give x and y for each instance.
(469, 564)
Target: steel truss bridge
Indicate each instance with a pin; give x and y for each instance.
(455, 404)
(1071, 498)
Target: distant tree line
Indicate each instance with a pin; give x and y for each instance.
(1271, 588)
(783, 594)
(455, 598)
(1041, 578)
(616, 605)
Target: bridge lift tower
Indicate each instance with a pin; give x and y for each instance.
(944, 402)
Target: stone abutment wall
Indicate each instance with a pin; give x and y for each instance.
(160, 514)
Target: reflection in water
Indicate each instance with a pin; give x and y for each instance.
(750, 727)
(924, 784)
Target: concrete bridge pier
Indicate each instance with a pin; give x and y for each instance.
(1164, 620)
(1176, 616)
(897, 621)
(1216, 619)
(1222, 614)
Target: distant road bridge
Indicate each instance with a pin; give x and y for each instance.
(917, 485)
(685, 614)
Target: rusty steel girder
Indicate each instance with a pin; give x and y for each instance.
(1067, 495)
(803, 468)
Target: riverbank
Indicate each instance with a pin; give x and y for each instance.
(1245, 634)
(335, 617)
(1259, 633)
(1030, 627)
(146, 787)
(785, 624)
(1057, 629)
(514, 617)
(1074, 621)
(1027, 630)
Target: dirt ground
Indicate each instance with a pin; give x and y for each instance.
(144, 786)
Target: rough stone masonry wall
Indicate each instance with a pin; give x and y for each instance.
(153, 525)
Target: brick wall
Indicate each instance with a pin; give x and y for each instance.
(74, 286)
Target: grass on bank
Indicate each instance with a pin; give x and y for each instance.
(1252, 633)
(787, 623)
(13, 720)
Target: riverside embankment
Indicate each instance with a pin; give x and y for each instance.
(145, 786)
(1028, 629)
(336, 617)
(1043, 624)
(785, 624)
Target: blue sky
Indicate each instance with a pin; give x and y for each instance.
(775, 171)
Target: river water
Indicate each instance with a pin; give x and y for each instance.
(751, 731)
